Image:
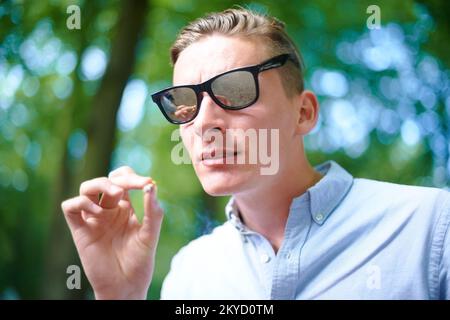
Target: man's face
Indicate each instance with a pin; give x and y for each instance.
(205, 59)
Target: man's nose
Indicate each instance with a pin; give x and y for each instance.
(210, 116)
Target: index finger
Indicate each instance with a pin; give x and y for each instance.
(129, 181)
(111, 194)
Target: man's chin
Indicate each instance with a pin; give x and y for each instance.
(224, 183)
(218, 188)
(218, 191)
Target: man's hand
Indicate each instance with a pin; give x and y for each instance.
(117, 252)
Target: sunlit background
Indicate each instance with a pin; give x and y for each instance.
(74, 104)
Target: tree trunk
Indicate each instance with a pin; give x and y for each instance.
(100, 128)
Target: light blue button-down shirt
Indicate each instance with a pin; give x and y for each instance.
(345, 238)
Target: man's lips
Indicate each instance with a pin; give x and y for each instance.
(217, 154)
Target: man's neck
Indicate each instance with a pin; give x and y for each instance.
(266, 209)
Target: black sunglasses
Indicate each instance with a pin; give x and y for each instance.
(232, 90)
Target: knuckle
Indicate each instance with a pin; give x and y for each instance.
(126, 205)
(83, 186)
(120, 171)
(113, 173)
(64, 205)
(83, 199)
(87, 185)
(116, 191)
(68, 204)
(127, 169)
(102, 180)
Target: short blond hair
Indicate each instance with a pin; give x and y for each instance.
(246, 23)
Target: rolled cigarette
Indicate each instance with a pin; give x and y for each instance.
(148, 188)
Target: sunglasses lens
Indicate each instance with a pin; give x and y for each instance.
(235, 89)
(179, 104)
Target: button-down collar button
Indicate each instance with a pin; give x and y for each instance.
(319, 217)
(265, 258)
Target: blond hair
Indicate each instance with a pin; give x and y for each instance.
(246, 23)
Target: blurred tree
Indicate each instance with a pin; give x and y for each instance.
(439, 44)
(100, 128)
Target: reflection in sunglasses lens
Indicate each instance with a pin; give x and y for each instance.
(235, 89)
(180, 104)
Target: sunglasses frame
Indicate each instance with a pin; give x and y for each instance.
(272, 63)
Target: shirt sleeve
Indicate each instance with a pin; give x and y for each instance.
(444, 270)
(173, 287)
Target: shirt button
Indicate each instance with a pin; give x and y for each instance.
(319, 217)
(264, 258)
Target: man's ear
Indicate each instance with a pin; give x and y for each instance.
(307, 112)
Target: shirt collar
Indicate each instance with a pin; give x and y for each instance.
(328, 193)
(324, 196)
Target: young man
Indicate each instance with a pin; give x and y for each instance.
(297, 232)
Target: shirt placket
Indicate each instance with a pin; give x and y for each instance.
(286, 266)
(265, 258)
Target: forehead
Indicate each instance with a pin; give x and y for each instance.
(216, 54)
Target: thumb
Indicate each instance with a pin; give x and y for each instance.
(153, 216)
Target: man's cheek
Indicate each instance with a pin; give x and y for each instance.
(185, 144)
(190, 145)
